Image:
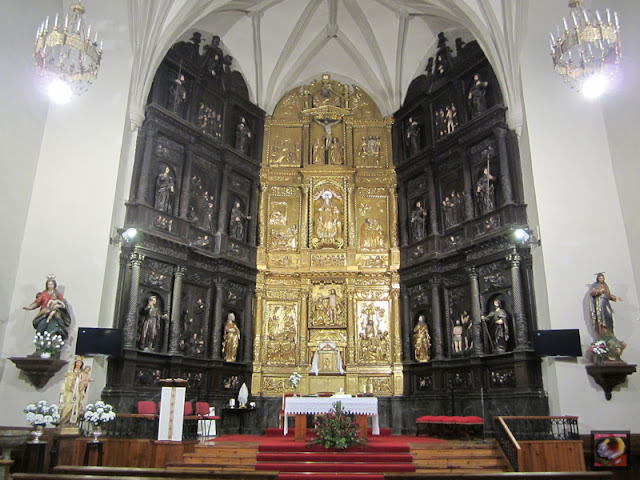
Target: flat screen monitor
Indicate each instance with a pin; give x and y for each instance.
(557, 343)
(99, 341)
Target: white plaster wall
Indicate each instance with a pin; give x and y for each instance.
(22, 119)
(581, 225)
(69, 216)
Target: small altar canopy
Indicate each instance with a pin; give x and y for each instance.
(324, 349)
(172, 409)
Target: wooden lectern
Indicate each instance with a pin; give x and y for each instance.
(172, 409)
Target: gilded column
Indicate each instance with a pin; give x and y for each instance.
(396, 335)
(176, 312)
(262, 215)
(475, 311)
(131, 321)
(257, 346)
(519, 318)
(393, 214)
(351, 211)
(303, 322)
(351, 325)
(436, 318)
(306, 221)
(216, 340)
(505, 174)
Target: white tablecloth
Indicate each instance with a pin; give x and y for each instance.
(316, 405)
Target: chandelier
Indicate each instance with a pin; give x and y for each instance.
(66, 55)
(586, 49)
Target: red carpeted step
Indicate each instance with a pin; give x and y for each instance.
(329, 476)
(302, 447)
(337, 467)
(374, 457)
(279, 432)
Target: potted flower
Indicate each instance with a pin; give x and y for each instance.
(337, 430)
(48, 345)
(97, 414)
(599, 351)
(294, 381)
(39, 415)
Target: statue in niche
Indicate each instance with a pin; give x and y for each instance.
(328, 224)
(477, 96)
(326, 95)
(243, 136)
(231, 339)
(457, 331)
(213, 57)
(327, 310)
(336, 152)
(178, 95)
(422, 340)
(369, 150)
(318, 151)
(412, 138)
(467, 325)
(500, 331)
(54, 316)
(601, 311)
(418, 222)
(237, 218)
(192, 344)
(371, 234)
(486, 191)
(165, 189)
(207, 223)
(372, 336)
(451, 118)
(151, 325)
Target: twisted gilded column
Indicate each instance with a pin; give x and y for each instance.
(302, 330)
(175, 327)
(396, 334)
(476, 313)
(131, 320)
(436, 318)
(519, 318)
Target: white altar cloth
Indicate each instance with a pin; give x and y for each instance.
(317, 405)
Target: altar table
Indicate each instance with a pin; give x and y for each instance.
(359, 406)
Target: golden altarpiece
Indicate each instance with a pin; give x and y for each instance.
(327, 288)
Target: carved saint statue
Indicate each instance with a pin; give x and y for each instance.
(336, 152)
(500, 320)
(477, 96)
(178, 94)
(486, 192)
(328, 223)
(54, 316)
(231, 339)
(422, 340)
(601, 311)
(74, 388)
(457, 336)
(236, 221)
(151, 326)
(412, 138)
(318, 151)
(417, 221)
(243, 136)
(165, 189)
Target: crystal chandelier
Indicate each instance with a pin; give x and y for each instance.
(586, 49)
(66, 55)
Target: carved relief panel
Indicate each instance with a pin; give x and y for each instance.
(281, 332)
(328, 215)
(283, 224)
(373, 344)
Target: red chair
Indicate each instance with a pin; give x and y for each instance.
(188, 409)
(147, 407)
(202, 411)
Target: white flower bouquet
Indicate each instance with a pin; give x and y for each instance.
(41, 413)
(99, 413)
(294, 380)
(47, 343)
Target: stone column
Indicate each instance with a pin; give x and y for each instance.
(436, 318)
(468, 187)
(433, 205)
(519, 318)
(406, 327)
(476, 313)
(402, 213)
(131, 321)
(222, 212)
(252, 212)
(216, 337)
(175, 327)
(248, 326)
(393, 214)
(505, 174)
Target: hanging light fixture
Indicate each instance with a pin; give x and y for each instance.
(66, 56)
(586, 49)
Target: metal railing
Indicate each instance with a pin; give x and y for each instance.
(511, 429)
(132, 425)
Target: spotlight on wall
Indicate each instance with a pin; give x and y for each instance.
(524, 236)
(123, 236)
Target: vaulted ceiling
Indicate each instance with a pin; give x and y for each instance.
(380, 45)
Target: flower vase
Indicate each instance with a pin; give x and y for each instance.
(37, 433)
(97, 431)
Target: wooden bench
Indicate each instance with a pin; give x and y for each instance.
(123, 473)
(450, 426)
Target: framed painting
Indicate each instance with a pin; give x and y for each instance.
(610, 449)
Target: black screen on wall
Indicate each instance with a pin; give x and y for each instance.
(557, 343)
(99, 341)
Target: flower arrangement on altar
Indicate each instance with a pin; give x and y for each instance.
(337, 430)
(41, 413)
(48, 345)
(294, 380)
(607, 349)
(99, 413)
